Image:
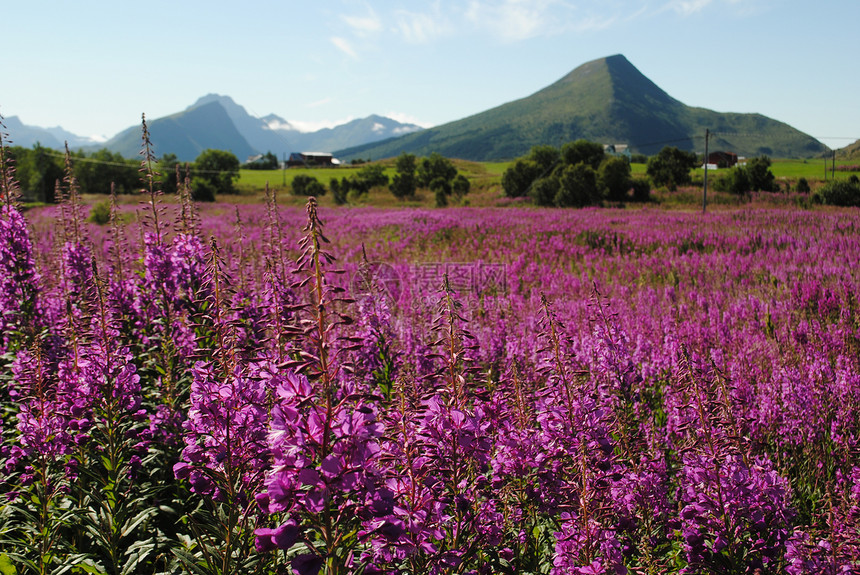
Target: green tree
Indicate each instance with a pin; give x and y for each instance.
(305, 185)
(95, 173)
(434, 167)
(578, 187)
(373, 175)
(760, 177)
(404, 184)
(546, 157)
(215, 172)
(442, 189)
(641, 189)
(544, 191)
(38, 172)
(802, 186)
(167, 165)
(269, 161)
(519, 178)
(671, 167)
(839, 193)
(460, 186)
(337, 191)
(614, 178)
(583, 152)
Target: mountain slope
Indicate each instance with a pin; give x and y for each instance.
(216, 121)
(606, 100)
(26, 136)
(186, 134)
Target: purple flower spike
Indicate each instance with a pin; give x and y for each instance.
(307, 564)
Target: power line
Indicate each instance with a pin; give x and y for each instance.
(135, 166)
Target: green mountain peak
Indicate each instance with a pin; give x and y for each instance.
(607, 100)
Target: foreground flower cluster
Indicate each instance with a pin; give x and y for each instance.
(472, 391)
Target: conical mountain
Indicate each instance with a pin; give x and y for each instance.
(606, 100)
(186, 134)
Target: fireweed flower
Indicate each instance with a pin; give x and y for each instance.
(226, 431)
(734, 515)
(19, 281)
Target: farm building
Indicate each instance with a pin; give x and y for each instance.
(622, 150)
(722, 159)
(306, 159)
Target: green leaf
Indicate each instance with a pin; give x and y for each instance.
(6, 567)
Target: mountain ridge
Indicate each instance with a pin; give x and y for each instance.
(605, 100)
(217, 122)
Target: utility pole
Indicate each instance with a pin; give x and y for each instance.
(284, 171)
(833, 170)
(705, 194)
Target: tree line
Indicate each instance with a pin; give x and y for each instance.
(435, 173)
(39, 171)
(581, 174)
(578, 174)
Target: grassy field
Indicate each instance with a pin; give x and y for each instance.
(486, 187)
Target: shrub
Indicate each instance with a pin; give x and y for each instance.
(304, 185)
(839, 193)
(338, 192)
(100, 213)
(641, 190)
(578, 187)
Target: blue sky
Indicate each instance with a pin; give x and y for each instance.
(93, 66)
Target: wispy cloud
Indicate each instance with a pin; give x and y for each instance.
(406, 119)
(422, 27)
(365, 25)
(688, 7)
(315, 126)
(509, 19)
(319, 103)
(344, 46)
(514, 20)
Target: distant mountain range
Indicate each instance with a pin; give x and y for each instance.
(608, 101)
(219, 123)
(55, 138)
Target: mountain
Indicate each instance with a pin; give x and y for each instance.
(186, 134)
(849, 152)
(606, 100)
(274, 134)
(26, 136)
(217, 122)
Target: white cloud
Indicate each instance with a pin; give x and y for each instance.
(314, 126)
(403, 130)
(278, 125)
(377, 127)
(515, 20)
(510, 19)
(688, 7)
(407, 119)
(344, 46)
(364, 25)
(422, 27)
(319, 103)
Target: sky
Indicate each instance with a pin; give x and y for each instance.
(94, 66)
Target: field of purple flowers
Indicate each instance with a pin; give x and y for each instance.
(271, 390)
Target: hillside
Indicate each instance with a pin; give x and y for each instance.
(606, 100)
(186, 134)
(217, 122)
(26, 136)
(850, 152)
